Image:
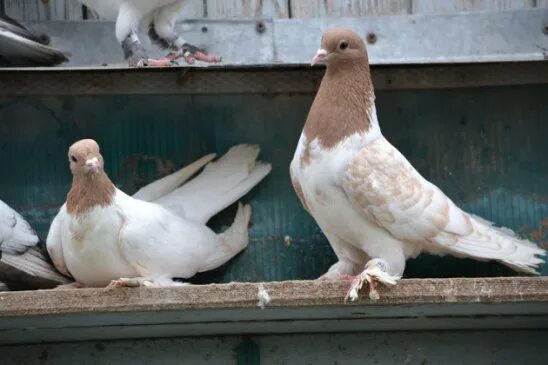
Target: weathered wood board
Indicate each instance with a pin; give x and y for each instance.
(253, 9)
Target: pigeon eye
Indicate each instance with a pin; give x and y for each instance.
(343, 45)
(73, 159)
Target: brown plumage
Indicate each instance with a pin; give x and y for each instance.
(345, 96)
(375, 209)
(90, 184)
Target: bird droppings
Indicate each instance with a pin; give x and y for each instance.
(264, 297)
(288, 240)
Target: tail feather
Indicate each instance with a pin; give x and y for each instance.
(220, 184)
(16, 50)
(161, 187)
(233, 240)
(30, 270)
(500, 244)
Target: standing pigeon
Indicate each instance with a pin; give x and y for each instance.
(160, 17)
(24, 264)
(21, 47)
(375, 209)
(102, 235)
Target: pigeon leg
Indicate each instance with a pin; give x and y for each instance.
(341, 270)
(130, 282)
(136, 55)
(376, 270)
(161, 281)
(191, 53)
(161, 32)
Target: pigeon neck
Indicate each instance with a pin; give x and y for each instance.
(344, 105)
(89, 191)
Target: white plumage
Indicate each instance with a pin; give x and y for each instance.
(159, 16)
(23, 262)
(375, 209)
(21, 47)
(149, 243)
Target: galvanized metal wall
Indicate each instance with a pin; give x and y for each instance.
(486, 147)
(250, 9)
(424, 348)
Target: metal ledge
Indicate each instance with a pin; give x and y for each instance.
(295, 307)
(256, 79)
(494, 36)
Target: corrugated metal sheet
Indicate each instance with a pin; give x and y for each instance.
(485, 147)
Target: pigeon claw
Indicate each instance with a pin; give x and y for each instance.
(160, 62)
(129, 283)
(191, 54)
(357, 283)
(372, 274)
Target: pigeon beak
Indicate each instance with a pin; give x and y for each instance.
(319, 58)
(92, 164)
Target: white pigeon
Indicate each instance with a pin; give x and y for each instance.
(101, 235)
(375, 209)
(159, 16)
(21, 47)
(24, 263)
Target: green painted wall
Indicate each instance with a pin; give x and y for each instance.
(486, 148)
(499, 347)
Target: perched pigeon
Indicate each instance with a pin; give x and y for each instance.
(160, 17)
(102, 235)
(21, 47)
(375, 209)
(24, 264)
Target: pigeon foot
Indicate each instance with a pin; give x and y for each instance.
(374, 273)
(191, 53)
(129, 283)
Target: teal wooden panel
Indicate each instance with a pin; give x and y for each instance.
(500, 347)
(486, 147)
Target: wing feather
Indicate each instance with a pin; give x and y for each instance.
(384, 186)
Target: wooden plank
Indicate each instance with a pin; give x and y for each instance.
(452, 6)
(214, 9)
(246, 9)
(31, 10)
(24, 9)
(337, 8)
(428, 347)
(284, 295)
(182, 80)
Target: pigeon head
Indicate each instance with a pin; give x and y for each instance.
(340, 46)
(85, 158)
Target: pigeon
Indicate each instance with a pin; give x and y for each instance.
(374, 208)
(24, 263)
(103, 237)
(160, 17)
(21, 47)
